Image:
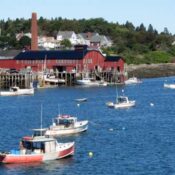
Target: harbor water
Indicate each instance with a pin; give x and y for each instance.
(135, 141)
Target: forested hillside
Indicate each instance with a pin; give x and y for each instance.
(137, 44)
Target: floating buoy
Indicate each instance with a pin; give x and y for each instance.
(111, 129)
(90, 154)
(78, 104)
(151, 104)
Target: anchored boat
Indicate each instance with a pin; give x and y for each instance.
(65, 125)
(15, 90)
(133, 80)
(121, 102)
(38, 148)
(171, 86)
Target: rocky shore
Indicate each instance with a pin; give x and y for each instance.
(151, 70)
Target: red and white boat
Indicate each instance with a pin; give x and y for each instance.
(38, 148)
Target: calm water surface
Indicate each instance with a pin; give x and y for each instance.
(135, 141)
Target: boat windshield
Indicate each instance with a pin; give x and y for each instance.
(14, 89)
(122, 100)
(39, 133)
(33, 145)
(64, 121)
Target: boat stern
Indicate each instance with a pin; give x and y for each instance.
(2, 158)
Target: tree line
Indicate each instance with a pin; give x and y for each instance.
(137, 44)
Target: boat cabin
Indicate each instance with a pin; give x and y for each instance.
(122, 99)
(38, 143)
(14, 89)
(39, 132)
(65, 120)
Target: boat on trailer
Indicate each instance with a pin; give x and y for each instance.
(38, 148)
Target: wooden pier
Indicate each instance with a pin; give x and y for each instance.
(21, 80)
(25, 80)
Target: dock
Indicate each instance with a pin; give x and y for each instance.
(25, 80)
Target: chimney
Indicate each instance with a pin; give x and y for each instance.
(34, 31)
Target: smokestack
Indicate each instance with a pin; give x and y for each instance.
(34, 31)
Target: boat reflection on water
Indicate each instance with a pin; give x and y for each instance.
(46, 166)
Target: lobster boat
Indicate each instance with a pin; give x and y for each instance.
(38, 148)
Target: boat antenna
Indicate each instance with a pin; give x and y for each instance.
(116, 94)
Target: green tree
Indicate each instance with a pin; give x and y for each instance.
(66, 43)
(25, 41)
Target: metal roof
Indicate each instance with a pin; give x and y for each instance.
(8, 54)
(113, 58)
(55, 54)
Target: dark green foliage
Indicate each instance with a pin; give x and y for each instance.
(24, 42)
(136, 44)
(66, 43)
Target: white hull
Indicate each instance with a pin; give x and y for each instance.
(19, 92)
(124, 105)
(81, 99)
(89, 82)
(110, 104)
(51, 80)
(171, 86)
(54, 80)
(62, 130)
(133, 80)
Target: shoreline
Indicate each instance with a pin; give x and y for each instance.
(151, 70)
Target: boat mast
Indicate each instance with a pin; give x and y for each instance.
(116, 94)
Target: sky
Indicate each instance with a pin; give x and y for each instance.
(158, 13)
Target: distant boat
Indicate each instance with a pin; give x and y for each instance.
(38, 148)
(66, 125)
(53, 79)
(15, 90)
(81, 99)
(171, 86)
(90, 82)
(121, 102)
(133, 80)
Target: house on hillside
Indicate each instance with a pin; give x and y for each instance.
(98, 41)
(70, 35)
(94, 40)
(87, 37)
(47, 43)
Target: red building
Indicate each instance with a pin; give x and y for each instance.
(78, 60)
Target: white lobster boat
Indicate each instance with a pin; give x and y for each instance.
(90, 82)
(121, 102)
(38, 148)
(171, 86)
(66, 125)
(15, 90)
(133, 80)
